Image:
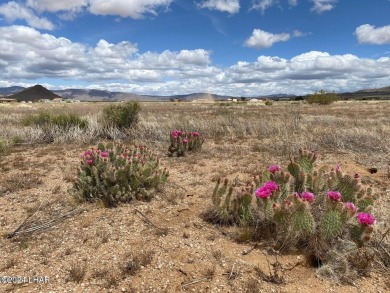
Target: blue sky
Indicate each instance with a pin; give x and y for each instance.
(227, 47)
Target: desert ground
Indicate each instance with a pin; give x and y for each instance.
(165, 245)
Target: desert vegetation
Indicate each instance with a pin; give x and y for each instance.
(172, 197)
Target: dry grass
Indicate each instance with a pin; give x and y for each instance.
(23, 181)
(77, 272)
(240, 139)
(279, 129)
(134, 262)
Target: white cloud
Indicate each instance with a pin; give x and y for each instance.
(263, 4)
(57, 5)
(230, 6)
(319, 6)
(124, 8)
(368, 34)
(27, 54)
(13, 11)
(323, 5)
(261, 39)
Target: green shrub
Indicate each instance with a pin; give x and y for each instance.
(46, 119)
(302, 207)
(4, 144)
(122, 116)
(322, 98)
(183, 141)
(115, 173)
(268, 103)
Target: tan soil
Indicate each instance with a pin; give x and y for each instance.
(193, 256)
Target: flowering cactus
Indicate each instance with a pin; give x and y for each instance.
(310, 205)
(182, 142)
(334, 198)
(229, 208)
(113, 173)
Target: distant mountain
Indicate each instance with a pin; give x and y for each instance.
(368, 94)
(381, 90)
(101, 95)
(5, 91)
(39, 92)
(34, 94)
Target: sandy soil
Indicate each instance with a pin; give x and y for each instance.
(160, 246)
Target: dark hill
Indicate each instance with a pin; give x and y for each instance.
(34, 94)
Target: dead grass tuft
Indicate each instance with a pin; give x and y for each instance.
(134, 263)
(23, 181)
(77, 272)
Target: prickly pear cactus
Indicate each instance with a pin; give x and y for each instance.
(304, 205)
(115, 173)
(331, 224)
(231, 206)
(182, 142)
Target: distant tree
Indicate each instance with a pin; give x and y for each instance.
(322, 98)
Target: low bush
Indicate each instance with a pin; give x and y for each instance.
(122, 116)
(324, 212)
(115, 173)
(46, 119)
(184, 141)
(3, 145)
(322, 98)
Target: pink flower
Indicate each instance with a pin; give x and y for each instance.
(334, 195)
(195, 133)
(271, 185)
(307, 196)
(185, 140)
(87, 153)
(263, 192)
(104, 154)
(366, 218)
(175, 133)
(351, 207)
(267, 189)
(89, 161)
(274, 168)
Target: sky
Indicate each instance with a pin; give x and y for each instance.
(169, 47)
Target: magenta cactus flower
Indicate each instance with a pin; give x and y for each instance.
(366, 219)
(104, 154)
(350, 207)
(307, 196)
(89, 161)
(195, 133)
(263, 192)
(334, 195)
(185, 140)
(267, 189)
(274, 168)
(87, 153)
(271, 185)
